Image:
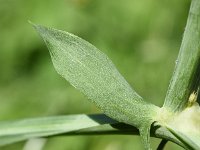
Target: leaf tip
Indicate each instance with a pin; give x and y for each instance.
(33, 24)
(30, 22)
(42, 30)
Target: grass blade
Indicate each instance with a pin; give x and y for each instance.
(15, 131)
(99, 124)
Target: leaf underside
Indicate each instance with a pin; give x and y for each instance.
(94, 74)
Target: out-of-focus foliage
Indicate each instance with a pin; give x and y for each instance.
(141, 37)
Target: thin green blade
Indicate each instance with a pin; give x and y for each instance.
(15, 131)
(99, 124)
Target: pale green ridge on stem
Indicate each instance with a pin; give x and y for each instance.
(94, 74)
(186, 77)
(145, 135)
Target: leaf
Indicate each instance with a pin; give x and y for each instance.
(98, 124)
(192, 142)
(93, 73)
(186, 77)
(16, 131)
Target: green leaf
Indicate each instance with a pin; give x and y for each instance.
(93, 73)
(192, 142)
(186, 77)
(14, 131)
(20, 130)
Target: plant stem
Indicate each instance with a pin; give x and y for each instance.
(124, 129)
(162, 144)
(186, 76)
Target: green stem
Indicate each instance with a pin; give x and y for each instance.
(124, 129)
(162, 144)
(186, 76)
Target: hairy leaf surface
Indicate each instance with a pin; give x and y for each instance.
(93, 73)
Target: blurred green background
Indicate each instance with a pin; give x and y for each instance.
(142, 37)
